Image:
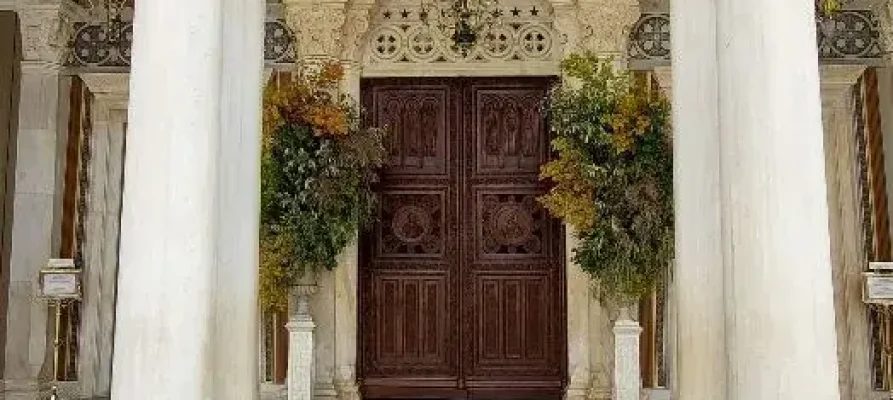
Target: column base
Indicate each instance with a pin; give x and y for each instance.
(325, 390)
(346, 384)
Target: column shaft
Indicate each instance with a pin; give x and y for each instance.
(845, 222)
(778, 292)
(238, 216)
(102, 219)
(698, 275)
(165, 321)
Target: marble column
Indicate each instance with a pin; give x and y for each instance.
(165, 320)
(578, 340)
(698, 274)
(346, 283)
(108, 121)
(779, 311)
(238, 204)
(37, 194)
(845, 217)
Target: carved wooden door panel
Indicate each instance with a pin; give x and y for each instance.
(462, 285)
(512, 272)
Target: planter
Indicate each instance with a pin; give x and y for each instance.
(299, 296)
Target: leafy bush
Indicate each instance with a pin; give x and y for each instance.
(612, 180)
(317, 169)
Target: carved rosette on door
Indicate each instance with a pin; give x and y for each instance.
(462, 278)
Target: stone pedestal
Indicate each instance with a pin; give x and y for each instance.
(301, 362)
(627, 370)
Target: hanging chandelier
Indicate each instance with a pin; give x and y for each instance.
(464, 22)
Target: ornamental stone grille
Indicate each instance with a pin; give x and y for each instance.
(526, 33)
(850, 37)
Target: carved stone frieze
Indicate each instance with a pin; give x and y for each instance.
(399, 36)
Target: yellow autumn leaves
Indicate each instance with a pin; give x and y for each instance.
(306, 98)
(624, 116)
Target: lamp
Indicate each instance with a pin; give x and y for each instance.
(462, 21)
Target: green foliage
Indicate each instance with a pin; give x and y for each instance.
(316, 190)
(613, 179)
(828, 7)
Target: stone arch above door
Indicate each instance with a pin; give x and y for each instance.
(526, 42)
(387, 38)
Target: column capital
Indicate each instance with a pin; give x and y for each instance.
(47, 27)
(107, 84)
(664, 77)
(606, 24)
(836, 82)
(317, 26)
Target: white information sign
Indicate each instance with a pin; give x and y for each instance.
(878, 288)
(60, 280)
(60, 285)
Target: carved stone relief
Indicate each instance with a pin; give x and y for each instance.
(318, 27)
(46, 29)
(399, 36)
(607, 24)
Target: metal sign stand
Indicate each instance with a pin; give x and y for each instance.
(877, 292)
(60, 286)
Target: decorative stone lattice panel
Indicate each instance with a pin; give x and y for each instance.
(850, 37)
(90, 46)
(398, 35)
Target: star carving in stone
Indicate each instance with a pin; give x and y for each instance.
(534, 11)
(405, 13)
(387, 14)
(516, 12)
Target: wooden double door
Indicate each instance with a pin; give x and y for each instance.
(462, 277)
